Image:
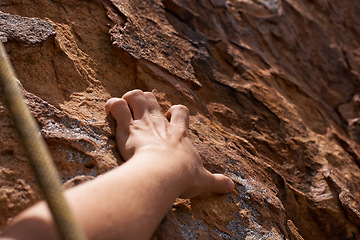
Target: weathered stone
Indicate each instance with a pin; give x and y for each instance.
(23, 29)
(272, 88)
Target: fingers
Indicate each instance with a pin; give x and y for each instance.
(137, 102)
(178, 115)
(209, 183)
(120, 111)
(152, 104)
(220, 183)
(141, 103)
(136, 105)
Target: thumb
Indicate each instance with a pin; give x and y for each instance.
(220, 184)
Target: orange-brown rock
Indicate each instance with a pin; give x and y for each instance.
(272, 87)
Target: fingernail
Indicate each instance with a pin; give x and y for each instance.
(230, 186)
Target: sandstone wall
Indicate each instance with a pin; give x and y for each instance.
(272, 87)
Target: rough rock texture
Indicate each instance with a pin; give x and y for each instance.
(272, 87)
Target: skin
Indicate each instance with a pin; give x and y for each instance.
(130, 201)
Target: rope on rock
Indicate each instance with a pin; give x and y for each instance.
(37, 151)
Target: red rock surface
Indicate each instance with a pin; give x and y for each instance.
(272, 87)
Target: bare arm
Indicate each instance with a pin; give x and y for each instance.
(130, 201)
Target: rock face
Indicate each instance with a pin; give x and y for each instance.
(272, 87)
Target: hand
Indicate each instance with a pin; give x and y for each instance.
(143, 130)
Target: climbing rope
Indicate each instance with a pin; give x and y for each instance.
(37, 151)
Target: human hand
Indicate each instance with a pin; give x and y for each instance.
(142, 130)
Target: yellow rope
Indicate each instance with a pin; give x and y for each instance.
(37, 151)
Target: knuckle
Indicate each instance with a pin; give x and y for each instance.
(119, 102)
(180, 108)
(149, 95)
(132, 94)
(112, 102)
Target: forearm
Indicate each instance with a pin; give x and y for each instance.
(126, 203)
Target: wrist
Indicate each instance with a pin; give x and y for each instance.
(174, 167)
